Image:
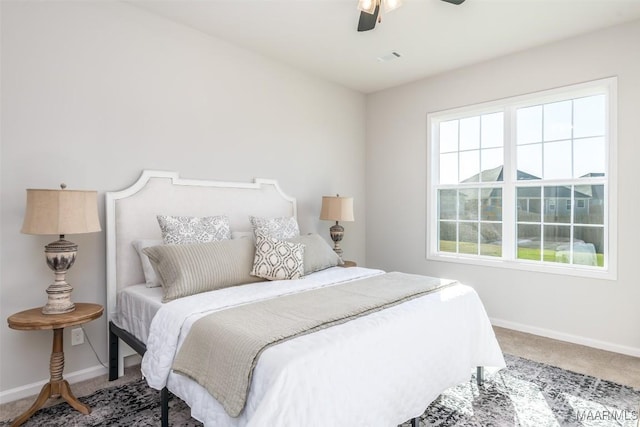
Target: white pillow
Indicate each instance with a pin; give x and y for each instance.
(149, 274)
(284, 227)
(179, 230)
(278, 259)
(242, 235)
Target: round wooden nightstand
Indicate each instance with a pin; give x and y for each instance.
(34, 320)
(348, 264)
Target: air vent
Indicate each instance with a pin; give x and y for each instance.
(389, 57)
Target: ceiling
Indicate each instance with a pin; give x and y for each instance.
(319, 36)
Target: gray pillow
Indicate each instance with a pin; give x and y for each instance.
(190, 229)
(190, 269)
(318, 255)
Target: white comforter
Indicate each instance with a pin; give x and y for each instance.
(377, 370)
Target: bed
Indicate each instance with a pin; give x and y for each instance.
(380, 369)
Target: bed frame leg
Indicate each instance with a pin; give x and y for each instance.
(480, 375)
(415, 422)
(113, 355)
(164, 405)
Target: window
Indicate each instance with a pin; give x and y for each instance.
(525, 181)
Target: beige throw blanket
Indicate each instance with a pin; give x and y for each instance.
(222, 348)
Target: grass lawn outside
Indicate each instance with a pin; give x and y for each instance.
(488, 249)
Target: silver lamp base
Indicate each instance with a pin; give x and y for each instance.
(337, 232)
(60, 255)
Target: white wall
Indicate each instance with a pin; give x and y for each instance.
(595, 312)
(94, 92)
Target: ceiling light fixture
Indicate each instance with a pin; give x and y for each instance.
(370, 12)
(369, 6)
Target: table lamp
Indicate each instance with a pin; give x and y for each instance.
(336, 208)
(60, 212)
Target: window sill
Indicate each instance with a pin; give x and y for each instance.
(533, 266)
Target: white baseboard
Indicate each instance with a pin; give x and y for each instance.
(34, 388)
(575, 339)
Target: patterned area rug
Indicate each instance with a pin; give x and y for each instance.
(526, 393)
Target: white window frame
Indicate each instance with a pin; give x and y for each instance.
(509, 106)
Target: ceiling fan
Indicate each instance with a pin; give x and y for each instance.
(370, 11)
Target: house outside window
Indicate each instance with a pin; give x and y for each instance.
(526, 182)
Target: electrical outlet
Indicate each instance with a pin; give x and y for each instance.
(77, 336)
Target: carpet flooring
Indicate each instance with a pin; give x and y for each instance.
(526, 393)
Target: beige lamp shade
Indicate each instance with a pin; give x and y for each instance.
(336, 208)
(61, 212)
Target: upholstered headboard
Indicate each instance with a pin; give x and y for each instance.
(131, 215)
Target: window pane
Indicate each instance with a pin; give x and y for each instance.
(492, 130)
(491, 164)
(556, 243)
(529, 125)
(554, 155)
(449, 168)
(589, 157)
(469, 204)
(530, 162)
(589, 246)
(557, 160)
(555, 204)
(447, 234)
(529, 204)
(491, 206)
(470, 166)
(589, 204)
(529, 242)
(491, 239)
(447, 203)
(468, 238)
(589, 116)
(470, 133)
(449, 136)
(557, 121)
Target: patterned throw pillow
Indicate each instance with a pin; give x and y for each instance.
(178, 230)
(284, 227)
(278, 259)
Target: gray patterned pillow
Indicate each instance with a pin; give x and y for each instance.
(178, 230)
(278, 259)
(284, 227)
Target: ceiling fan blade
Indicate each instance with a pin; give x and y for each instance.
(367, 20)
(454, 1)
